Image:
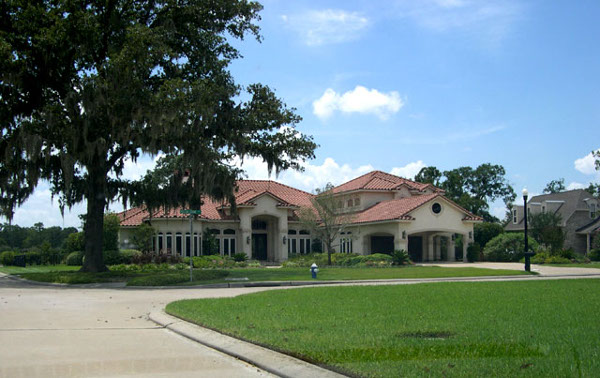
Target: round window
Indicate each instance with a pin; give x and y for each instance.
(436, 208)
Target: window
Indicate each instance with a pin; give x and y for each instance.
(188, 245)
(357, 201)
(229, 242)
(515, 216)
(543, 209)
(350, 203)
(197, 242)
(160, 242)
(169, 242)
(436, 208)
(178, 244)
(592, 210)
(346, 242)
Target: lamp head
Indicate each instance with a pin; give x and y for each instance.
(525, 192)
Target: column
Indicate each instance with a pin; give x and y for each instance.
(465, 244)
(282, 254)
(430, 247)
(450, 255)
(246, 231)
(438, 247)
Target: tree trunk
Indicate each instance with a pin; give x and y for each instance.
(94, 223)
(328, 253)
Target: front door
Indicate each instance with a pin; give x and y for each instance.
(415, 248)
(259, 246)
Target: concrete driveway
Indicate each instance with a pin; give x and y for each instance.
(81, 332)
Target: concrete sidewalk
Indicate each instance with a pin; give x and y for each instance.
(269, 360)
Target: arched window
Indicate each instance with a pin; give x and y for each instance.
(350, 203)
(197, 244)
(291, 232)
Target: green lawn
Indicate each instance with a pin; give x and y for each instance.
(532, 328)
(70, 275)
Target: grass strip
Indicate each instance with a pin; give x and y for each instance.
(531, 328)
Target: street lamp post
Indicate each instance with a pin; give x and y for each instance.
(527, 253)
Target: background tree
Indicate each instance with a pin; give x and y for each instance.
(555, 186)
(471, 188)
(142, 237)
(429, 175)
(325, 220)
(545, 229)
(88, 85)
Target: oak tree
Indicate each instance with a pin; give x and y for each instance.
(86, 85)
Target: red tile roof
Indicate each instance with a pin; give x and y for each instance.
(248, 190)
(377, 180)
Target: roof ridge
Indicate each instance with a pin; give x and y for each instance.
(278, 183)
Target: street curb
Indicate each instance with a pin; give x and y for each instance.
(269, 360)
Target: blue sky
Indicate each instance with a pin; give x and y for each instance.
(398, 85)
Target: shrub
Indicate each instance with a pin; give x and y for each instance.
(142, 237)
(144, 258)
(129, 255)
(594, 255)
(240, 257)
(400, 257)
(484, 232)
(33, 258)
(557, 260)
(507, 247)
(539, 258)
(113, 257)
(473, 251)
(74, 258)
(7, 258)
(567, 253)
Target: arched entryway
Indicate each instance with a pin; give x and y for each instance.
(265, 229)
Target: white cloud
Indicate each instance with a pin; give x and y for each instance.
(576, 185)
(410, 170)
(490, 20)
(587, 165)
(313, 177)
(359, 100)
(328, 26)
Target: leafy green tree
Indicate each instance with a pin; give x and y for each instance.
(142, 237)
(324, 219)
(210, 244)
(555, 186)
(75, 242)
(88, 85)
(429, 175)
(472, 188)
(545, 229)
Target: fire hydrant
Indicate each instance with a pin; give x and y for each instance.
(314, 269)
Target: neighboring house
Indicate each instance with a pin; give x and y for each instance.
(578, 210)
(388, 212)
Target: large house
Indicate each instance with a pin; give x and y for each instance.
(387, 213)
(578, 210)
